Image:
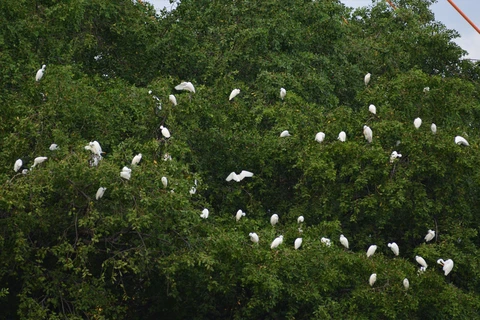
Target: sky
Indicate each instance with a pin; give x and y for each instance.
(469, 38)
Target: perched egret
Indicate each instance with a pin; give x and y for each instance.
(284, 134)
(100, 193)
(254, 237)
(367, 132)
(371, 250)
(205, 213)
(40, 73)
(426, 89)
(434, 128)
(167, 157)
(186, 86)
(319, 137)
(447, 265)
(274, 219)
(283, 93)
(53, 147)
(367, 78)
(136, 159)
(421, 262)
(300, 219)
(461, 141)
(165, 132)
(233, 94)
(344, 241)
(126, 173)
(326, 241)
(239, 214)
(417, 123)
(298, 243)
(18, 164)
(430, 235)
(38, 160)
(239, 177)
(172, 99)
(406, 283)
(95, 148)
(394, 247)
(372, 279)
(372, 109)
(275, 243)
(394, 156)
(193, 189)
(164, 182)
(342, 136)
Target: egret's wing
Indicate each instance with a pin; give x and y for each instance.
(246, 174)
(231, 176)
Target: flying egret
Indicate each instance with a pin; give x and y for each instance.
(186, 86)
(205, 213)
(326, 241)
(461, 141)
(394, 156)
(172, 99)
(100, 193)
(18, 164)
(53, 147)
(372, 279)
(406, 283)
(164, 182)
(284, 134)
(298, 243)
(126, 173)
(239, 214)
(421, 262)
(367, 78)
(233, 94)
(394, 247)
(239, 177)
(274, 219)
(344, 241)
(371, 250)
(38, 160)
(283, 93)
(367, 132)
(275, 243)
(342, 136)
(417, 123)
(433, 127)
(430, 235)
(300, 219)
(165, 132)
(254, 237)
(136, 159)
(319, 137)
(372, 109)
(447, 265)
(40, 72)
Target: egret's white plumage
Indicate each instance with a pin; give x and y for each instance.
(284, 134)
(18, 164)
(319, 137)
(254, 237)
(239, 214)
(193, 189)
(205, 213)
(188, 86)
(371, 250)
(136, 159)
(394, 156)
(298, 243)
(433, 127)
(406, 284)
(421, 261)
(165, 132)
(300, 219)
(100, 193)
(461, 141)
(95, 148)
(239, 177)
(274, 219)
(367, 78)
(367, 132)
(344, 241)
(447, 265)
(53, 147)
(372, 109)
(40, 73)
(372, 279)
(233, 94)
(24, 171)
(275, 243)
(417, 123)
(38, 160)
(426, 89)
(283, 93)
(394, 247)
(126, 173)
(430, 235)
(326, 241)
(342, 136)
(172, 99)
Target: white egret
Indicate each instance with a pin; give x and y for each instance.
(344, 241)
(433, 127)
(319, 137)
(342, 136)
(38, 160)
(406, 284)
(461, 141)
(254, 237)
(372, 109)
(126, 173)
(233, 94)
(24, 171)
(274, 219)
(167, 157)
(239, 214)
(239, 177)
(275, 243)
(300, 219)
(430, 235)
(165, 132)
(136, 159)
(417, 123)
(186, 86)
(394, 156)
(284, 134)
(100, 193)
(421, 262)
(164, 182)
(426, 89)
(298, 243)
(372, 279)
(367, 132)
(172, 99)
(326, 241)
(371, 250)
(283, 93)
(193, 189)
(53, 147)
(394, 247)
(367, 78)
(95, 148)
(447, 265)
(18, 164)
(205, 213)
(40, 72)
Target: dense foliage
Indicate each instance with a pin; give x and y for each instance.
(142, 251)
